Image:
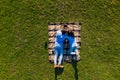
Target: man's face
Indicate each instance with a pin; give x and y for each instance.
(66, 28)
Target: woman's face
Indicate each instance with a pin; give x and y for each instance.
(70, 30)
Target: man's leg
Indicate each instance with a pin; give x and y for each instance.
(71, 50)
(56, 56)
(60, 58)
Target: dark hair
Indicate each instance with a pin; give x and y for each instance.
(71, 34)
(65, 25)
(63, 31)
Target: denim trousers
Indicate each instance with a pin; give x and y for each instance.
(58, 53)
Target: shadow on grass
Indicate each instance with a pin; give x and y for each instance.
(74, 64)
(58, 71)
(46, 45)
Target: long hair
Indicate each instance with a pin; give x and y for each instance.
(71, 33)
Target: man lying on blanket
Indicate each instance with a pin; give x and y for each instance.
(62, 35)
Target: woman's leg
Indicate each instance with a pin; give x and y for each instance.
(71, 50)
(76, 50)
(61, 56)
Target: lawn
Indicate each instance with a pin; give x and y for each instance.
(24, 32)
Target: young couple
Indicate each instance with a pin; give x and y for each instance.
(64, 35)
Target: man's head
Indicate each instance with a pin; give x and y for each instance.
(65, 27)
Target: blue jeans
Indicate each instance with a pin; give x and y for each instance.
(58, 52)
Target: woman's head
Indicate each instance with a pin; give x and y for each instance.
(70, 32)
(70, 29)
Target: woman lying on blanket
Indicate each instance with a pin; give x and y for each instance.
(73, 44)
(70, 43)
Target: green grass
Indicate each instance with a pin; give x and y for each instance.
(23, 33)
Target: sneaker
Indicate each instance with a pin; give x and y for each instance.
(73, 53)
(55, 66)
(61, 66)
